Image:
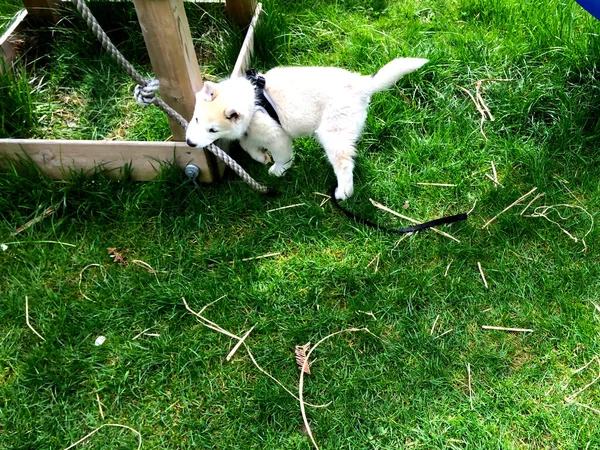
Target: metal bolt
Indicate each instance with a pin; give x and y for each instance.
(192, 172)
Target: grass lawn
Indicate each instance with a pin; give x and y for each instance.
(8, 9)
(431, 377)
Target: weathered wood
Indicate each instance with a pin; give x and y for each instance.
(43, 10)
(168, 39)
(240, 11)
(58, 158)
(243, 60)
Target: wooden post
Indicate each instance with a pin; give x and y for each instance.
(241, 11)
(43, 10)
(171, 50)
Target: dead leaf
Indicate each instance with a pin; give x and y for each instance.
(301, 357)
(117, 256)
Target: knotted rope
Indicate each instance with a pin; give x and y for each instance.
(145, 92)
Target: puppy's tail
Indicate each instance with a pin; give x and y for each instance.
(391, 72)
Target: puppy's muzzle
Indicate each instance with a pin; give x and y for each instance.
(190, 143)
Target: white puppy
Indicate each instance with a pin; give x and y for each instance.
(326, 101)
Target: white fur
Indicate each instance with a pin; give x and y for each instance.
(326, 101)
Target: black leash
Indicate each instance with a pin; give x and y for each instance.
(421, 226)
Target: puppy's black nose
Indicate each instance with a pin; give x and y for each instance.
(190, 143)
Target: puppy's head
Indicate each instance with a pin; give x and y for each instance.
(222, 110)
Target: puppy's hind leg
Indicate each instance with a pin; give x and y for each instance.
(282, 151)
(341, 152)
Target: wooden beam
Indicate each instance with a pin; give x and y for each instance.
(240, 11)
(58, 158)
(171, 50)
(43, 10)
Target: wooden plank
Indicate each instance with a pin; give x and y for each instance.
(243, 60)
(240, 11)
(171, 50)
(58, 158)
(7, 48)
(43, 10)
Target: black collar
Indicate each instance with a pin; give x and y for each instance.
(262, 100)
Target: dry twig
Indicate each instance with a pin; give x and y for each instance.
(434, 324)
(253, 258)
(597, 411)
(494, 172)
(444, 333)
(87, 436)
(482, 275)
(302, 372)
(285, 207)
(470, 387)
(437, 184)
(139, 334)
(480, 103)
(397, 214)
(542, 211)
(368, 313)
(213, 326)
(35, 220)
(572, 397)
(240, 342)
(81, 277)
(517, 330)
(479, 108)
(508, 207)
(100, 406)
(595, 358)
(64, 244)
(27, 319)
(326, 198)
(532, 202)
(146, 266)
(448, 268)
(376, 261)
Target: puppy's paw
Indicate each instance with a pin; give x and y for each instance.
(278, 169)
(262, 156)
(344, 192)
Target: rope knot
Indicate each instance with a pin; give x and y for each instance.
(146, 95)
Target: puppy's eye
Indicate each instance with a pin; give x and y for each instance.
(196, 120)
(213, 130)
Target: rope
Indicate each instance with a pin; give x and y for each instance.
(145, 93)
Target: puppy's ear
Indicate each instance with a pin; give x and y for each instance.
(208, 92)
(232, 114)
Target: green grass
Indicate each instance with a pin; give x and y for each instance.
(8, 10)
(408, 389)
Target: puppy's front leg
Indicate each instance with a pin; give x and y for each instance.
(283, 154)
